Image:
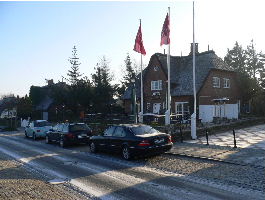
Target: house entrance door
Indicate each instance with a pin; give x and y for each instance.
(156, 108)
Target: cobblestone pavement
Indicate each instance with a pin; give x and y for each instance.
(246, 177)
(240, 156)
(251, 151)
(251, 137)
(17, 183)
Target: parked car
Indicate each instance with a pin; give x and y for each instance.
(37, 129)
(131, 140)
(66, 134)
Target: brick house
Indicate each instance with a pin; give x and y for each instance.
(216, 86)
(8, 107)
(46, 108)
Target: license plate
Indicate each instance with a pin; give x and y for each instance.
(159, 141)
(82, 136)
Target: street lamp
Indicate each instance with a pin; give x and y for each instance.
(134, 101)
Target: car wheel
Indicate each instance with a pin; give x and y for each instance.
(26, 135)
(93, 147)
(126, 153)
(34, 136)
(47, 140)
(62, 143)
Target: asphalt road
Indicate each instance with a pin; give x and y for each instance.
(109, 177)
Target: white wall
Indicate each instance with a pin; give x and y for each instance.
(24, 123)
(231, 111)
(206, 112)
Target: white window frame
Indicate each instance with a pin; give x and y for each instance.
(226, 82)
(216, 82)
(181, 112)
(156, 85)
(159, 108)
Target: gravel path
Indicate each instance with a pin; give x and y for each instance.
(20, 182)
(225, 173)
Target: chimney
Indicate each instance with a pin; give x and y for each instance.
(50, 82)
(196, 48)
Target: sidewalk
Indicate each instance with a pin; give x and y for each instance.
(251, 137)
(250, 151)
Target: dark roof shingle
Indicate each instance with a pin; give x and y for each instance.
(181, 68)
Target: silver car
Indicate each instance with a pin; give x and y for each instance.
(37, 129)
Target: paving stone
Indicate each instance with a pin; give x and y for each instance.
(18, 183)
(250, 143)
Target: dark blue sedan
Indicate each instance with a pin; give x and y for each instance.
(66, 134)
(131, 140)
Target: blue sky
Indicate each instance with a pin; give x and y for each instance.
(36, 38)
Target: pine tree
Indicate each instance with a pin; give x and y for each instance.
(74, 74)
(129, 72)
(262, 71)
(248, 63)
(102, 76)
(254, 63)
(236, 58)
(103, 89)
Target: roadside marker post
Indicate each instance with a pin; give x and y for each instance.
(206, 132)
(234, 134)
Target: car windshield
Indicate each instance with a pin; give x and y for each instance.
(142, 130)
(78, 127)
(41, 124)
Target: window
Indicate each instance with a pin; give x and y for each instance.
(55, 128)
(119, 132)
(65, 128)
(182, 110)
(226, 83)
(142, 130)
(78, 127)
(109, 131)
(60, 128)
(156, 85)
(216, 82)
(41, 123)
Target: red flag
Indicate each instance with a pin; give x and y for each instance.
(165, 32)
(139, 46)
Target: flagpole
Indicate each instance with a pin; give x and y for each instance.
(193, 116)
(142, 92)
(167, 116)
(139, 47)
